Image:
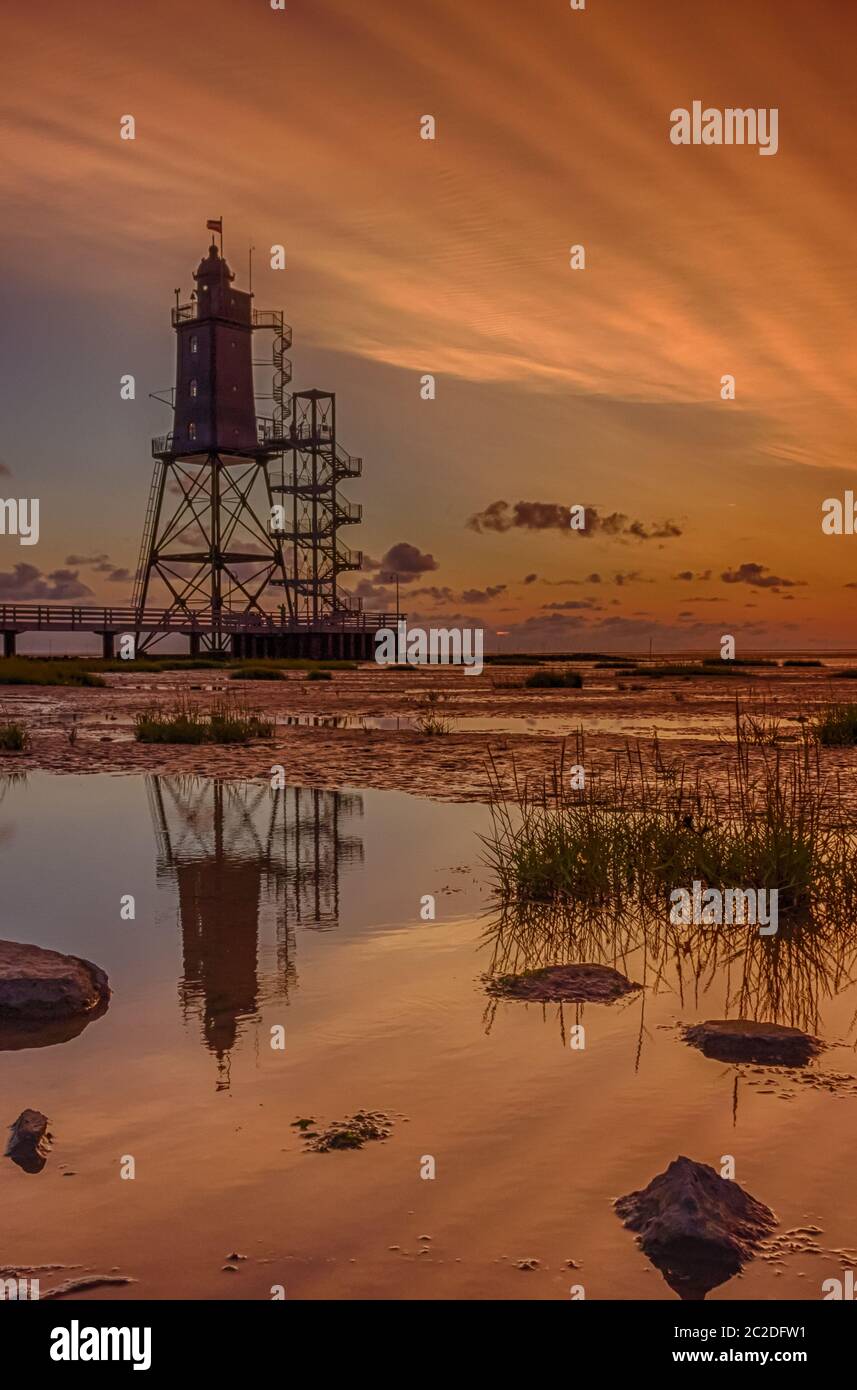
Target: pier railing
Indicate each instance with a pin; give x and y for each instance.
(28, 617)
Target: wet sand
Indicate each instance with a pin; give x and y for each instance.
(337, 742)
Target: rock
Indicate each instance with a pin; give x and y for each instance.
(742, 1040)
(571, 984)
(29, 1141)
(697, 1228)
(42, 986)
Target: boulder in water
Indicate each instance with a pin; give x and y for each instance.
(743, 1040)
(37, 985)
(29, 1144)
(697, 1228)
(564, 984)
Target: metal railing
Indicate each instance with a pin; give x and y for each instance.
(270, 433)
(21, 617)
(273, 318)
(347, 559)
(347, 465)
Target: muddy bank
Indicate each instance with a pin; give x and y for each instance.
(357, 729)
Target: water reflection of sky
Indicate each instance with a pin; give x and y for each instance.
(301, 910)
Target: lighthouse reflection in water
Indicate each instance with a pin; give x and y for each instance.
(247, 865)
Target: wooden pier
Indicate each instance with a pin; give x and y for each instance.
(344, 635)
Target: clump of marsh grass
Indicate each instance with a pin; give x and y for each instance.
(433, 716)
(743, 661)
(687, 671)
(319, 676)
(29, 670)
(256, 673)
(225, 722)
(13, 737)
(760, 721)
(835, 725)
(554, 680)
(632, 834)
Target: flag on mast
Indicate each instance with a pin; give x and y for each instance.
(215, 224)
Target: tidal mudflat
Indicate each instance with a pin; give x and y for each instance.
(358, 729)
(295, 917)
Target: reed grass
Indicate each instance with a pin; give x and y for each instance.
(24, 670)
(762, 723)
(742, 661)
(645, 827)
(257, 673)
(433, 717)
(686, 670)
(225, 722)
(554, 680)
(836, 724)
(13, 737)
(88, 671)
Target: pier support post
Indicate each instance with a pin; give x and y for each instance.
(9, 643)
(107, 645)
(194, 641)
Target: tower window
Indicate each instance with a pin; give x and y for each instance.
(194, 343)
(191, 431)
(193, 387)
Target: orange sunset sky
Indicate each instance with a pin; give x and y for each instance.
(404, 256)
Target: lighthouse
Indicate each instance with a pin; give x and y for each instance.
(215, 407)
(241, 537)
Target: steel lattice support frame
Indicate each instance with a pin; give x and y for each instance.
(213, 549)
(314, 509)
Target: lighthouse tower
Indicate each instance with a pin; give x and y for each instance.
(215, 404)
(207, 538)
(242, 530)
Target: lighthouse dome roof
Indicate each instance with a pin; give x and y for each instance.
(213, 266)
